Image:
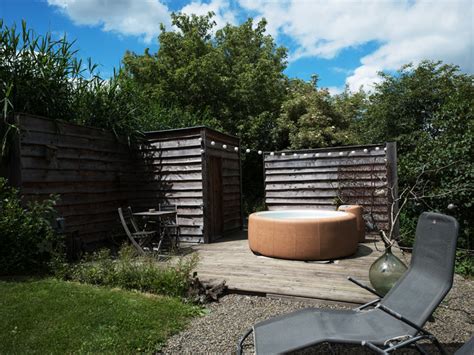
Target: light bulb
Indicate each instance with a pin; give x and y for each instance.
(224, 146)
(213, 143)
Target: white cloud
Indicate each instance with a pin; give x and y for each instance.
(223, 12)
(408, 31)
(335, 90)
(128, 17)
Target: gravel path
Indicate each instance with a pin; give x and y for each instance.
(218, 331)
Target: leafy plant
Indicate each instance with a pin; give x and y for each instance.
(465, 263)
(130, 272)
(42, 75)
(28, 241)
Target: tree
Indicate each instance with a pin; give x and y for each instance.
(309, 118)
(229, 78)
(429, 110)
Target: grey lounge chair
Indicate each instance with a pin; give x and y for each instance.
(467, 348)
(382, 325)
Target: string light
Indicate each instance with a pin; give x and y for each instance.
(316, 155)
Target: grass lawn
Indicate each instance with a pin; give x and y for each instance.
(50, 316)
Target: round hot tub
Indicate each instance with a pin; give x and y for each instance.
(303, 234)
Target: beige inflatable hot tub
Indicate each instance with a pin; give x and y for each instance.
(303, 234)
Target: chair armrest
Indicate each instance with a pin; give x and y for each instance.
(365, 287)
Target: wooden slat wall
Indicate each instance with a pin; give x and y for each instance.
(87, 167)
(94, 174)
(231, 176)
(173, 174)
(316, 179)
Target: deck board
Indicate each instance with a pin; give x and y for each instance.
(232, 260)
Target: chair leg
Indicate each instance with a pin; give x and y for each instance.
(241, 341)
(436, 343)
(420, 349)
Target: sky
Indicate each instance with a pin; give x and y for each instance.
(344, 42)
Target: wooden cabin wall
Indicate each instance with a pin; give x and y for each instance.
(90, 170)
(231, 177)
(173, 174)
(325, 178)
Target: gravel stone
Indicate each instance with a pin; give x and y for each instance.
(218, 331)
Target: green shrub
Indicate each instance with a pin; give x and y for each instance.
(130, 272)
(27, 239)
(464, 263)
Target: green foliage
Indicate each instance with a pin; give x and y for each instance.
(229, 78)
(41, 75)
(309, 118)
(429, 110)
(465, 263)
(56, 317)
(27, 239)
(132, 273)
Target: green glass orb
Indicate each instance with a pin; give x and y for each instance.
(385, 272)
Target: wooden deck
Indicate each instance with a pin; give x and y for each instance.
(232, 260)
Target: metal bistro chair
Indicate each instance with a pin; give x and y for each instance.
(170, 226)
(139, 238)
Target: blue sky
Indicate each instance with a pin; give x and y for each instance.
(343, 41)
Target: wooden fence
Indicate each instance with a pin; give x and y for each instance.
(91, 171)
(94, 174)
(325, 178)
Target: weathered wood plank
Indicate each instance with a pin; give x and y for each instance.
(338, 162)
(243, 271)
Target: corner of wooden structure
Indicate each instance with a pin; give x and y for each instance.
(205, 189)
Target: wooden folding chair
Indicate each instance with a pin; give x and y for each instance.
(139, 238)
